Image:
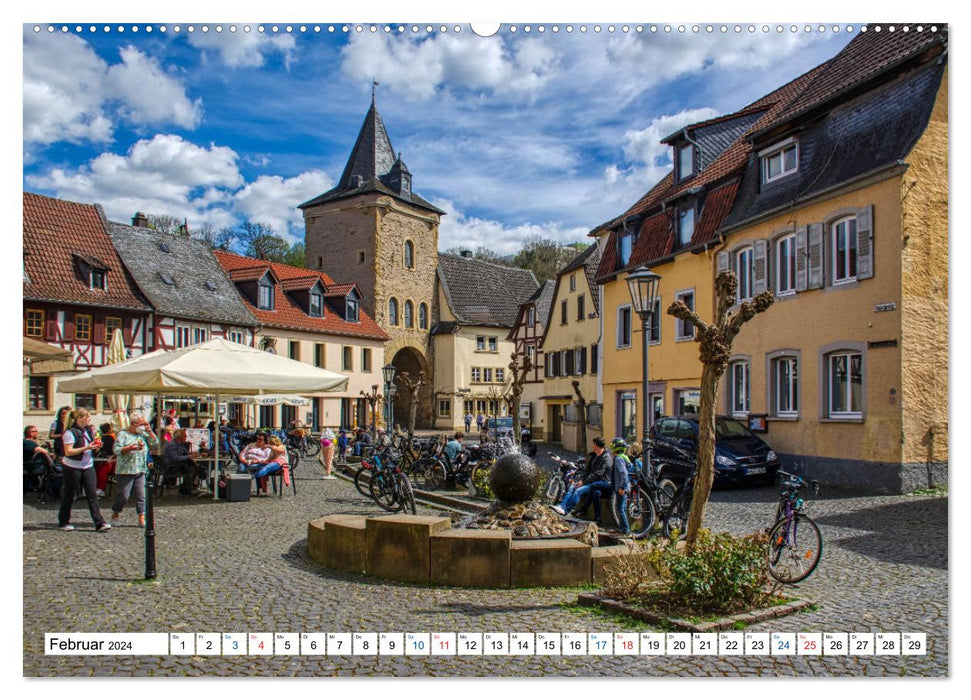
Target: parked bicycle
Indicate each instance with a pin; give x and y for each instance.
(303, 442)
(561, 478)
(390, 487)
(651, 496)
(795, 542)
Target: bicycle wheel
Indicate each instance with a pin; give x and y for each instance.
(667, 489)
(429, 474)
(311, 447)
(554, 489)
(677, 516)
(360, 484)
(641, 514)
(383, 492)
(407, 493)
(795, 546)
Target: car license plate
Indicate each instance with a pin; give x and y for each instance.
(755, 470)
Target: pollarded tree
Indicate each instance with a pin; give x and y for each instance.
(414, 388)
(515, 394)
(715, 341)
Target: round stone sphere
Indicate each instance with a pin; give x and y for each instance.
(515, 478)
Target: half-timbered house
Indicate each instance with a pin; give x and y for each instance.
(525, 335)
(76, 293)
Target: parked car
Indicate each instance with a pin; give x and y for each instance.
(500, 426)
(740, 456)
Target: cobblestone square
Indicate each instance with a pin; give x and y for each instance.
(243, 567)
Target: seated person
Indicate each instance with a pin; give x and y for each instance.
(36, 459)
(177, 462)
(104, 463)
(362, 439)
(256, 454)
(453, 448)
(277, 460)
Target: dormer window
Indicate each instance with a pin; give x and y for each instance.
(686, 161)
(352, 310)
(780, 160)
(625, 243)
(266, 294)
(97, 279)
(686, 224)
(316, 303)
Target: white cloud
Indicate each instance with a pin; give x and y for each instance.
(162, 175)
(147, 95)
(71, 94)
(460, 231)
(168, 175)
(273, 200)
(418, 68)
(244, 49)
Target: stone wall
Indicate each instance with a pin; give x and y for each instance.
(338, 232)
(924, 285)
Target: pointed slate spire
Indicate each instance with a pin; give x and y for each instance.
(372, 155)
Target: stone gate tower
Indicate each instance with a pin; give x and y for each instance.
(372, 229)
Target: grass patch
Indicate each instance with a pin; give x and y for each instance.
(934, 491)
(626, 621)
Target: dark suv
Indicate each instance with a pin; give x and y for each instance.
(740, 456)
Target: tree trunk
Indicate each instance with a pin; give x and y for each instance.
(705, 472)
(514, 403)
(582, 417)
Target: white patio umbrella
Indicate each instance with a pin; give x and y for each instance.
(117, 402)
(216, 367)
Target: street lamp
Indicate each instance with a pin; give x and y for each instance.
(372, 401)
(388, 372)
(643, 286)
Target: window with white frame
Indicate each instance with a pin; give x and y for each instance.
(686, 161)
(743, 271)
(685, 330)
(200, 334)
(580, 360)
(352, 310)
(845, 384)
(444, 408)
(316, 303)
(500, 375)
(476, 374)
(779, 161)
(785, 386)
(739, 378)
(266, 294)
(785, 265)
(487, 374)
(237, 337)
(480, 343)
(623, 327)
(843, 245)
(183, 336)
(531, 316)
(98, 279)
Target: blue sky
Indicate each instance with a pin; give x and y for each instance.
(515, 134)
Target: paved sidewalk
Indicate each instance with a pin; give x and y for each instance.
(243, 567)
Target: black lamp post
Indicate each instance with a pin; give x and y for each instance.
(372, 400)
(643, 286)
(388, 371)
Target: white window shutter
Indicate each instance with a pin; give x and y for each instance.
(760, 269)
(815, 249)
(864, 243)
(723, 261)
(802, 260)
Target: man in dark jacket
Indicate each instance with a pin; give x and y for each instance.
(596, 477)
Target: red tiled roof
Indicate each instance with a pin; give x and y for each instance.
(249, 274)
(717, 205)
(55, 231)
(340, 290)
(288, 314)
(305, 282)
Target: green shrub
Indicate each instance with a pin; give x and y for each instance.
(721, 573)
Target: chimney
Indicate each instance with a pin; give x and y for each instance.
(466, 253)
(139, 220)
